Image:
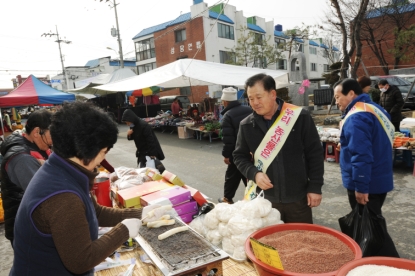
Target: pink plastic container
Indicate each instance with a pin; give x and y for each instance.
(266, 270)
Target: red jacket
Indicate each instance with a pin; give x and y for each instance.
(175, 108)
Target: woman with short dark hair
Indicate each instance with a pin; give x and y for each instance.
(56, 228)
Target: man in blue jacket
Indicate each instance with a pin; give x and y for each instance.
(366, 151)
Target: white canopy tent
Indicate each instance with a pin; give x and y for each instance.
(99, 79)
(115, 76)
(192, 72)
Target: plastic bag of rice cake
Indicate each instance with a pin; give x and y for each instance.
(198, 225)
(239, 253)
(274, 217)
(239, 240)
(211, 221)
(225, 211)
(121, 171)
(227, 245)
(256, 208)
(214, 237)
(223, 229)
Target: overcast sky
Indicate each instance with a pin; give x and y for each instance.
(87, 24)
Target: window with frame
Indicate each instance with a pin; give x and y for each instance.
(260, 62)
(226, 57)
(313, 51)
(145, 49)
(299, 47)
(313, 67)
(226, 31)
(326, 68)
(282, 64)
(146, 67)
(180, 35)
(279, 42)
(258, 38)
(185, 91)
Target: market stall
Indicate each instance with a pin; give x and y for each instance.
(198, 237)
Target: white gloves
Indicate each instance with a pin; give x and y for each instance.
(133, 226)
(155, 212)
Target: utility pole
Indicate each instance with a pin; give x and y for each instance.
(114, 5)
(59, 41)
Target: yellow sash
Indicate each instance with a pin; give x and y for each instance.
(383, 119)
(272, 143)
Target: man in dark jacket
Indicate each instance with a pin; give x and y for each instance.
(22, 157)
(233, 114)
(366, 153)
(294, 179)
(392, 101)
(144, 138)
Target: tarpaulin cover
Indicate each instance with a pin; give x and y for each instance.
(192, 72)
(34, 92)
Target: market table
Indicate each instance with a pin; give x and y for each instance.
(229, 266)
(199, 133)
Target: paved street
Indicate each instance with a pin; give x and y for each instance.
(200, 164)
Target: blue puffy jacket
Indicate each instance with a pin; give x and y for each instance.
(366, 152)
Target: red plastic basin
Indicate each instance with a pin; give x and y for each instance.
(266, 270)
(387, 261)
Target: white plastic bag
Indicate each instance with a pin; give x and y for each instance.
(239, 224)
(211, 221)
(198, 226)
(225, 212)
(214, 237)
(223, 229)
(150, 162)
(239, 240)
(227, 246)
(121, 171)
(258, 207)
(239, 253)
(274, 217)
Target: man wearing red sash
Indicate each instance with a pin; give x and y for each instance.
(366, 152)
(294, 177)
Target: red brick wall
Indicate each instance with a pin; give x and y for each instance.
(369, 58)
(168, 50)
(198, 93)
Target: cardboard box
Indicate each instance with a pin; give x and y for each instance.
(196, 195)
(184, 133)
(187, 218)
(131, 196)
(187, 207)
(153, 175)
(172, 178)
(171, 196)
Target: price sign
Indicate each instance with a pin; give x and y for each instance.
(267, 254)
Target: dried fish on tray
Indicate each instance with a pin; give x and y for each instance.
(180, 252)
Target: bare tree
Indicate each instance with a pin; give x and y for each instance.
(332, 41)
(347, 16)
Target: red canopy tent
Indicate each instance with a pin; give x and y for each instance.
(33, 92)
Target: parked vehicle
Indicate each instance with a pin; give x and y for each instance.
(403, 86)
(410, 78)
(166, 102)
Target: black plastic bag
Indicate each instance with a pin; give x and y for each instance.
(367, 229)
(371, 236)
(350, 222)
(159, 165)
